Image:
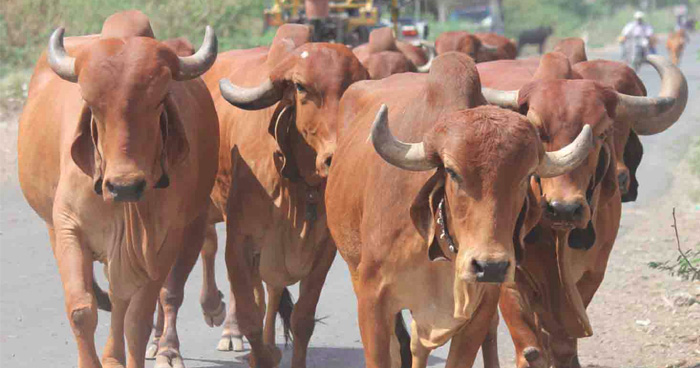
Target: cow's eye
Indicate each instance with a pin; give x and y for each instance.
(453, 175)
(299, 87)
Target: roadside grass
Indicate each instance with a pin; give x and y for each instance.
(25, 25)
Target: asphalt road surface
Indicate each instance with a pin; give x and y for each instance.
(34, 331)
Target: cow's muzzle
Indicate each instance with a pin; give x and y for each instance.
(490, 271)
(565, 211)
(126, 192)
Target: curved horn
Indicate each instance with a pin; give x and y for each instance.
(59, 60)
(506, 99)
(653, 115)
(254, 98)
(195, 65)
(560, 162)
(431, 55)
(407, 156)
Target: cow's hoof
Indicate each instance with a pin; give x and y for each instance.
(217, 317)
(534, 358)
(230, 343)
(152, 350)
(170, 359)
(270, 360)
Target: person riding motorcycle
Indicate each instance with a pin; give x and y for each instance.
(642, 36)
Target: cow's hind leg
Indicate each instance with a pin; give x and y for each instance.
(213, 307)
(304, 313)
(75, 267)
(172, 293)
(231, 336)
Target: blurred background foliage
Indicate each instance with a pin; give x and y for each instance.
(25, 25)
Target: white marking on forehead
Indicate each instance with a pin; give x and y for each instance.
(304, 54)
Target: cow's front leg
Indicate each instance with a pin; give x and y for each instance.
(173, 292)
(249, 296)
(75, 267)
(137, 324)
(489, 348)
(152, 349)
(419, 352)
(304, 313)
(114, 354)
(467, 341)
(564, 351)
(522, 326)
(375, 320)
(213, 307)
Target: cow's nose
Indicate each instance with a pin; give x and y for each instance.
(325, 165)
(565, 211)
(126, 192)
(490, 271)
(623, 180)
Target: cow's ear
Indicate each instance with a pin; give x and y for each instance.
(84, 151)
(282, 126)
(632, 157)
(530, 215)
(176, 146)
(424, 209)
(524, 98)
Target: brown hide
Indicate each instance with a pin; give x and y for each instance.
(125, 115)
(383, 218)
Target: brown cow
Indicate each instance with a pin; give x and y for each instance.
(477, 46)
(117, 153)
(566, 254)
(277, 143)
(457, 198)
(383, 55)
(675, 43)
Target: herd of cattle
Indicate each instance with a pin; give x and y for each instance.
(450, 193)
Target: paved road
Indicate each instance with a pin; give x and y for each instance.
(34, 331)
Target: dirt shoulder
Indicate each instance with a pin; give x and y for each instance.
(643, 316)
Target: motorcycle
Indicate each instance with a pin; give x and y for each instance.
(635, 51)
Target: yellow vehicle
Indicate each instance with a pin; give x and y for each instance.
(348, 22)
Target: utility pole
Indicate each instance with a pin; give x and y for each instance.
(496, 16)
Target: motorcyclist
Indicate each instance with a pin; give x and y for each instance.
(639, 29)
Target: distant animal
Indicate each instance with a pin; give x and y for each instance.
(536, 36)
(676, 44)
(383, 55)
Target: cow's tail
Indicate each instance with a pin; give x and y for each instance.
(404, 341)
(285, 311)
(103, 301)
